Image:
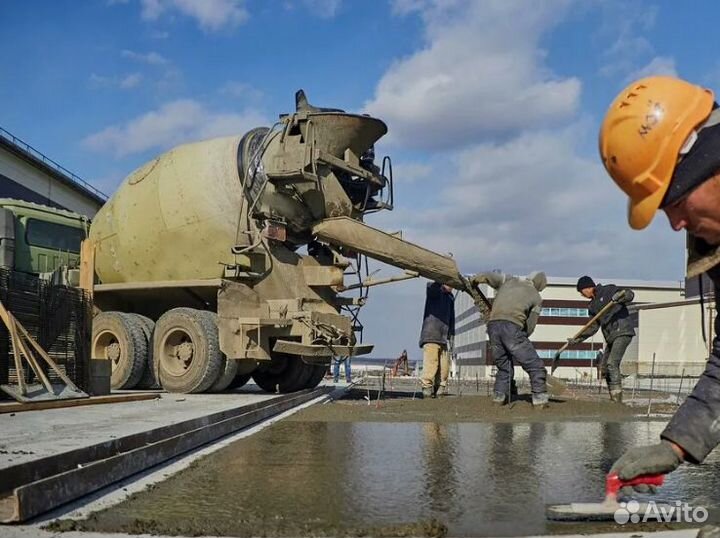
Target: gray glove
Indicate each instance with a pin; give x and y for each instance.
(573, 341)
(618, 296)
(642, 460)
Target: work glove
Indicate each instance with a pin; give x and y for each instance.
(618, 296)
(642, 460)
(573, 341)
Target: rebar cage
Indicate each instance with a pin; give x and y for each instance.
(59, 318)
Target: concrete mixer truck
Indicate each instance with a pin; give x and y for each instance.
(227, 258)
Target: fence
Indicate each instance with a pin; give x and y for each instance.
(59, 318)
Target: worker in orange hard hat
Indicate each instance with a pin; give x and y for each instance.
(660, 142)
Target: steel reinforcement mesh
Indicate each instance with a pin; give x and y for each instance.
(59, 318)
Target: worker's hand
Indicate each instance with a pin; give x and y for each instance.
(661, 458)
(572, 341)
(618, 296)
(479, 278)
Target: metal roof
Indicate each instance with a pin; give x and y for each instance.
(25, 151)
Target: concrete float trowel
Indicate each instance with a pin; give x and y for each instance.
(607, 510)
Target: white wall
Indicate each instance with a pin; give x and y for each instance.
(674, 333)
(36, 180)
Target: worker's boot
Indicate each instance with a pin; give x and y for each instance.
(499, 398)
(443, 391)
(540, 400)
(616, 395)
(428, 392)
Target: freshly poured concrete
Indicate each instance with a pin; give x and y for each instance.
(34, 434)
(336, 470)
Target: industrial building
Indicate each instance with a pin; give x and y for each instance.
(29, 175)
(667, 324)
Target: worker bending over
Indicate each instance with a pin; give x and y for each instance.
(514, 314)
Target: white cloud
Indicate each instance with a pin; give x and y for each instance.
(480, 74)
(534, 203)
(240, 90)
(131, 81)
(173, 123)
(626, 25)
(411, 172)
(325, 9)
(211, 15)
(150, 58)
(659, 65)
(126, 82)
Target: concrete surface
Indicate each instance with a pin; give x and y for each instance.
(34, 434)
(24, 532)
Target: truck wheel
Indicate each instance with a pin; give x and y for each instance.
(185, 344)
(317, 375)
(119, 340)
(149, 379)
(228, 372)
(239, 381)
(285, 373)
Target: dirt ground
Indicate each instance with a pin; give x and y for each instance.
(472, 408)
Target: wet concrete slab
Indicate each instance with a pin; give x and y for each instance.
(442, 475)
(31, 435)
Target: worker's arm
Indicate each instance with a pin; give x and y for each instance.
(493, 279)
(587, 333)
(533, 315)
(623, 296)
(692, 432)
(694, 425)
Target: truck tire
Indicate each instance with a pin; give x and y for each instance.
(149, 379)
(239, 381)
(228, 372)
(285, 373)
(317, 375)
(186, 346)
(116, 338)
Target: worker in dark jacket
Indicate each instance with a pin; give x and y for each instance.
(513, 317)
(617, 328)
(438, 329)
(660, 143)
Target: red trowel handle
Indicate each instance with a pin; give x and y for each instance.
(613, 484)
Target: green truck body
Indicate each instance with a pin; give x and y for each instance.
(39, 239)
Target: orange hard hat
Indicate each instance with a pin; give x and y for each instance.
(643, 134)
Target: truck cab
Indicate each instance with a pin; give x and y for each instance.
(39, 239)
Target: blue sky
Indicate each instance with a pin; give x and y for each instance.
(493, 109)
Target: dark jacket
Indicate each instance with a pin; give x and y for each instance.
(439, 317)
(695, 425)
(616, 321)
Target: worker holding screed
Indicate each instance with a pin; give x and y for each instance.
(616, 326)
(660, 143)
(514, 314)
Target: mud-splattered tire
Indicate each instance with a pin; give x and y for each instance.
(228, 372)
(116, 338)
(285, 373)
(149, 379)
(239, 381)
(187, 350)
(317, 375)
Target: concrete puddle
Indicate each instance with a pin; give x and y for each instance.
(325, 477)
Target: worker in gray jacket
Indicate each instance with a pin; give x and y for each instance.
(617, 328)
(514, 314)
